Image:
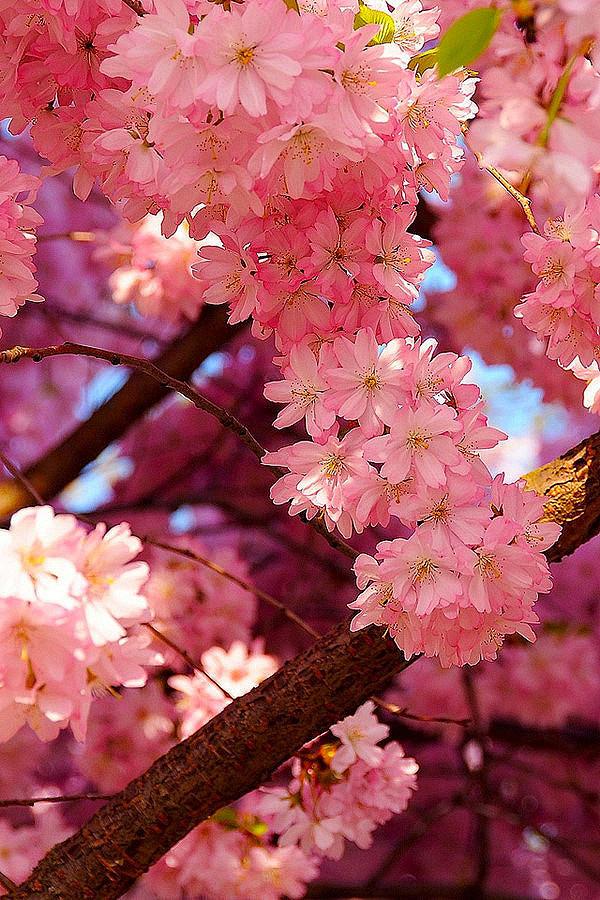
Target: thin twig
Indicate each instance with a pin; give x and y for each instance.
(191, 554)
(37, 354)
(7, 883)
(14, 470)
(82, 237)
(65, 798)
(402, 711)
(523, 201)
(185, 655)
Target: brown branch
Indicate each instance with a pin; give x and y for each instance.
(136, 6)
(229, 421)
(68, 348)
(241, 747)
(570, 486)
(111, 420)
(234, 753)
(214, 567)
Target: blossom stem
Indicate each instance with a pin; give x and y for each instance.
(68, 348)
(267, 598)
(185, 655)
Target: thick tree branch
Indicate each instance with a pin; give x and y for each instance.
(234, 753)
(111, 420)
(239, 749)
(570, 486)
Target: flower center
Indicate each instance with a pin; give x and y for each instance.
(553, 271)
(417, 117)
(244, 55)
(371, 381)
(333, 465)
(488, 565)
(423, 569)
(439, 512)
(397, 259)
(417, 440)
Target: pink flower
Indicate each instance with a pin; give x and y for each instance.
(420, 442)
(252, 54)
(366, 385)
(162, 54)
(556, 263)
(231, 275)
(372, 78)
(113, 598)
(304, 390)
(337, 253)
(324, 472)
(401, 259)
(359, 735)
(424, 576)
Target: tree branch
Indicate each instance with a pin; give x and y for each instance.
(111, 420)
(240, 748)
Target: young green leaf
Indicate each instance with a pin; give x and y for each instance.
(467, 38)
(420, 62)
(227, 817)
(368, 16)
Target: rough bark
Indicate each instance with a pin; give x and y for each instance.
(570, 486)
(234, 753)
(237, 750)
(110, 421)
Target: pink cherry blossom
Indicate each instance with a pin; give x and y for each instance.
(359, 735)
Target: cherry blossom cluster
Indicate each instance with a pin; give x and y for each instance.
(464, 580)
(229, 857)
(341, 790)
(193, 103)
(223, 118)
(270, 846)
(563, 309)
(151, 271)
(471, 571)
(18, 221)
(538, 98)
(70, 604)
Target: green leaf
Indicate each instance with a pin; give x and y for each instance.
(467, 38)
(423, 61)
(368, 16)
(226, 817)
(256, 828)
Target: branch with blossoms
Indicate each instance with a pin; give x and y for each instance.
(220, 118)
(238, 749)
